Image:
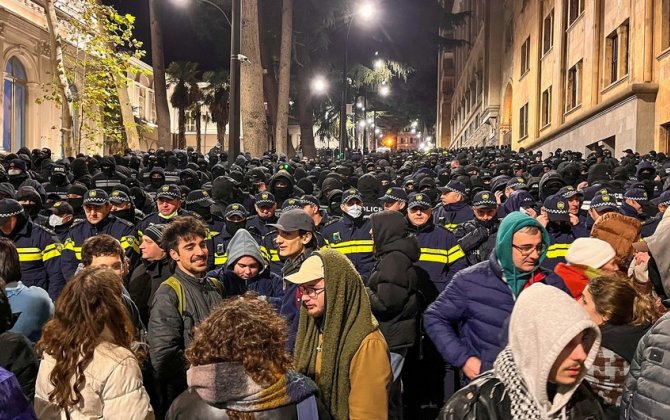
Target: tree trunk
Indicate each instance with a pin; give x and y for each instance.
(58, 66)
(254, 119)
(181, 143)
(270, 88)
(221, 135)
(129, 125)
(281, 128)
(160, 86)
(305, 114)
(198, 127)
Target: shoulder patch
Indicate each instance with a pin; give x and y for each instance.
(332, 221)
(46, 229)
(125, 222)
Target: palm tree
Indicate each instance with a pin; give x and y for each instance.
(182, 75)
(196, 97)
(216, 99)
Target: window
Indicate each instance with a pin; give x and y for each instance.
(523, 122)
(548, 32)
(190, 122)
(616, 54)
(525, 56)
(14, 106)
(545, 117)
(574, 86)
(575, 9)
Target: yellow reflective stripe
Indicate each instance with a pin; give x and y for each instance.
(211, 234)
(29, 254)
(434, 251)
(451, 226)
(46, 256)
(139, 234)
(440, 259)
(274, 255)
(220, 259)
(129, 241)
(354, 249)
(455, 253)
(558, 250)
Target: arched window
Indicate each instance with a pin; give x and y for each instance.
(14, 106)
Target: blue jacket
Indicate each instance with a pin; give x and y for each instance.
(34, 308)
(441, 255)
(120, 229)
(561, 239)
(452, 215)
(40, 257)
(479, 302)
(352, 238)
(265, 284)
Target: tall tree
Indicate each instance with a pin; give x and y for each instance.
(216, 99)
(64, 88)
(281, 129)
(160, 86)
(181, 74)
(196, 97)
(254, 119)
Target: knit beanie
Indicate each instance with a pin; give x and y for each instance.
(155, 233)
(590, 252)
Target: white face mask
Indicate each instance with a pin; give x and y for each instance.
(14, 171)
(55, 220)
(355, 211)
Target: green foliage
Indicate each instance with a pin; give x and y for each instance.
(99, 52)
(217, 96)
(361, 75)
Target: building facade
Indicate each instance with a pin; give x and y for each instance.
(575, 74)
(26, 62)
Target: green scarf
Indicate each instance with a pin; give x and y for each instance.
(348, 320)
(511, 224)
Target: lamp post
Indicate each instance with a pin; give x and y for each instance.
(366, 11)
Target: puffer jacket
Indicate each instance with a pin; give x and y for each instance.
(479, 301)
(392, 286)
(113, 388)
(645, 393)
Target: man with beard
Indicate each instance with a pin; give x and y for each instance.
(477, 237)
(247, 270)
(123, 208)
(179, 305)
(38, 247)
(556, 218)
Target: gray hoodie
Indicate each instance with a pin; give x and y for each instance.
(243, 245)
(543, 322)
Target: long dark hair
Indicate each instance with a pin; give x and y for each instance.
(91, 303)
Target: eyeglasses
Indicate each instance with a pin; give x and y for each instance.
(312, 292)
(526, 250)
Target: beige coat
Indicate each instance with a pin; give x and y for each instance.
(113, 388)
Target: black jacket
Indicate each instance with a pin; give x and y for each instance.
(477, 239)
(392, 286)
(486, 398)
(144, 281)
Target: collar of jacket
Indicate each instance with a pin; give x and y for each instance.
(455, 206)
(181, 275)
(351, 222)
(428, 226)
(22, 226)
(537, 275)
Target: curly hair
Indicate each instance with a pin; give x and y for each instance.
(182, 228)
(90, 303)
(101, 245)
(245, 330)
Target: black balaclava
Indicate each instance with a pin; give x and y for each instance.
(233, 227)
(127, 214)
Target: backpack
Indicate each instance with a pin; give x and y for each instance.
(179, 290)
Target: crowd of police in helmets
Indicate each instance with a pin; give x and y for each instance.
(458, 284)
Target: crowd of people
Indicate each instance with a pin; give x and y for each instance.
(459, 284)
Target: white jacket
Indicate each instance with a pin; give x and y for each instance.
(113, 388)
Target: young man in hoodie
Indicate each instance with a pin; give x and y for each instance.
(247, 270)
(552, 344)
(480, 298)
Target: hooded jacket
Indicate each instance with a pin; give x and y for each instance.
(368, 186)
(480, 299)
(523, 368)
(550, 183)
(392, 286)
(108, 179)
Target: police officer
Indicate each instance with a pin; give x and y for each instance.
(61, 219)
(575, 199)
(58, 182)
(266, 208)
(441, 255)
(350, 235)
(168, 202)
(556, 218)
(320, 217)
(662, 203)
(108, 177)
(200, 202)
(453, 210)
(635, 200)
(477, 237)
(395, 199)
(235, 216)
(99, 220)
(600, 204)
(123, 208)
(39, 248)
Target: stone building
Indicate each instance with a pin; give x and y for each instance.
(26, 63)
(573, 74)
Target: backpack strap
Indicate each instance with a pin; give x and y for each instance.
(307, 409)
(179, 290)
(218, 285)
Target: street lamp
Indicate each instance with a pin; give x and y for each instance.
(366, 11)
(384, 90)
(378, 64)
(319, 85)
(184, 3)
